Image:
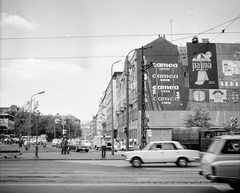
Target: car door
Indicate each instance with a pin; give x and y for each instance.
(170, 152)
(154, 154)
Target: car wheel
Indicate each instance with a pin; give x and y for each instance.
(235, 186)
(136, 162)
(77, 150)
(182, 162)
(86, 150)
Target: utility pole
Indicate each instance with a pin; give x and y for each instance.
(127, 105)
(143, 128)
(143, 140)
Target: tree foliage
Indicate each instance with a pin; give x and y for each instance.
(201, 118)
(46, 125)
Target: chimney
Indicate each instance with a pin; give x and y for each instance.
(205, 40)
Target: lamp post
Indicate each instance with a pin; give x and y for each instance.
(36, 145)
(55, 121)
(127, 100)
(112, 105)
(30, 118)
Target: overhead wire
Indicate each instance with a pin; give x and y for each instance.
(204, 32)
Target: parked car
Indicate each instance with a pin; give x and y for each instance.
(87, 143)
(221, 162)
(162, 152)
(78, 145)
(72, 145)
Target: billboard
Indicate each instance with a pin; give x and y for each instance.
(163, 81)
(228, 58)
(202, 63)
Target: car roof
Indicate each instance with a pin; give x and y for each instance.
(227, 137)
(163, 142)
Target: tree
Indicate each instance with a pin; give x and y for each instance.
(21, 122)
(199, 119)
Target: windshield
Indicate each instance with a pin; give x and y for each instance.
(214, 145)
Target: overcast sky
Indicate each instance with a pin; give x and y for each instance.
(66, 47)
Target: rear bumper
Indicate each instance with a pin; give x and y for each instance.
(219, 179)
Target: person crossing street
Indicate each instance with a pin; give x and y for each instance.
(103, 146)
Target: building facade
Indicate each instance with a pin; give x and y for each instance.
(180, 79)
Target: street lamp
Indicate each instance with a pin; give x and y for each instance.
(36, 147)
(55, 121)
(30, 118)
(112, 105)
(127, 100)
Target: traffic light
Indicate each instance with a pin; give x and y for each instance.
(125, 130)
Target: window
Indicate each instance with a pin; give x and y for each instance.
(208, 135)
(156, 146)
(232, 147)
(169, 146)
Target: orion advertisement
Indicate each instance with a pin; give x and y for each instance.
(163, 82)
(202, 62)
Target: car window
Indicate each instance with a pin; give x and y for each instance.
(155, 146)
(169, 146)
(231, 147)
(213, 146)
(208, 135)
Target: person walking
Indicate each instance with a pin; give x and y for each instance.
(103, 146)
(63, 146)
(66, 146)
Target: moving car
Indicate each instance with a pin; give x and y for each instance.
(221, 162)
(162, 152)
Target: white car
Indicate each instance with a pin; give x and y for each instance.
(55, 142)
(86, 143)
(221, 162)
(162, 152)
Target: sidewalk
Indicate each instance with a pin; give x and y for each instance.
(50, 153)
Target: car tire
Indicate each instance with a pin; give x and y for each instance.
(182, 162)
(86, 150)
(77, 150)
(136, 162)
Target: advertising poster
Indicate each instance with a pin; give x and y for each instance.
(202, 63)
(163, 82)
(228, 59)
(217, 95)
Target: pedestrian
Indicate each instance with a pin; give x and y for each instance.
(103, 146)
(63, 146)
(66, 146)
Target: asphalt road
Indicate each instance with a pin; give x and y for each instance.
(106, 188)
(101, 176)
(78, 175)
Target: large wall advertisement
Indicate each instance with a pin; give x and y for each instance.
(202, 65)
(214, 74)
(164, 88)
(228, 58)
